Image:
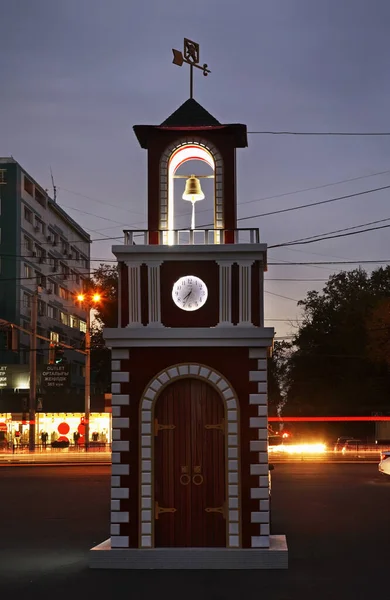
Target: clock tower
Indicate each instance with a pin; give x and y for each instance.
(190, 473)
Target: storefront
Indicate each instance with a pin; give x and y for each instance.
(52, 427)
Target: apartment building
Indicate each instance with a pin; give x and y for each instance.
(41, 248)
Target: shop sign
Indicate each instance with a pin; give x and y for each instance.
(3, 376)
(55, 376)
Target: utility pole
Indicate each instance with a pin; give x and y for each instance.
(33, 369)
(87, 397)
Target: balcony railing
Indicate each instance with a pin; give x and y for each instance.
(191, 237)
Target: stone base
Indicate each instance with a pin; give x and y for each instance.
(274, 557)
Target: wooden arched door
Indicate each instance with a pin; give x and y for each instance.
(189, 466)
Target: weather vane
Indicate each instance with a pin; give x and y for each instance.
(191, 57)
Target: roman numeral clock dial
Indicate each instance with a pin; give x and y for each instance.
(189, 293)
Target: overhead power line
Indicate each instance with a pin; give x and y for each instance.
(312, 237)
(329, 237)
(324, 133)
(280, 296)
(339, 262)
(284, 210)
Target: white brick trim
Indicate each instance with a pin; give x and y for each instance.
(115, 388)
(120, 377)
(119, 517)
(120, 422)
(119, 541)
(120, 446)
(257, 353)
(120, 353)
(261, 541)
(120, 400)
(120, 469)
(229, 398)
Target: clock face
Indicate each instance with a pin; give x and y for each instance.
(189, 293)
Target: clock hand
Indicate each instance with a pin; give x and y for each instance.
(187, 297)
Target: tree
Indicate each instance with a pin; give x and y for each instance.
(277, 368)
(331, 369)
(105, 279)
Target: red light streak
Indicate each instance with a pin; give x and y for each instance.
(313, 419)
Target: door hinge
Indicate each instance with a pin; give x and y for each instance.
(218, 509)
(219, 427)
(159, 510)
(158, 427)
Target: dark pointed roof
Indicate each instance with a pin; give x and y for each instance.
(190, 114)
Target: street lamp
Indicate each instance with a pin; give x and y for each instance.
(88, 301)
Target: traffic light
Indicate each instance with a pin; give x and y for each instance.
(59, 355)
(12, 339)
(52, 354)
(56, 355)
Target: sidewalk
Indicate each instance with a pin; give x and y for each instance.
(55, 456)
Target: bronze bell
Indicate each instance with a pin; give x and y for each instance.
(193, 191)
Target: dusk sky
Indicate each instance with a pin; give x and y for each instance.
(76, 75)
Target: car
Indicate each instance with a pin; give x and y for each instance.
(384, 465)
(353, 445)
(344, 442)
(340, 443)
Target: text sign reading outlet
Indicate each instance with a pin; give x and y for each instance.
(55, 376)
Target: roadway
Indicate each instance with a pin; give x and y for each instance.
(336, 518)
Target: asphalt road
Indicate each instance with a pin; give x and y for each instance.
(336, 518)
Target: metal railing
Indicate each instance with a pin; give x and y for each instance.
(191, 237)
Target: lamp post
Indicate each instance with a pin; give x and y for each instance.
(88, 301)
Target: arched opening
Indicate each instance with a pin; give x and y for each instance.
(190, 156)
(189, 460)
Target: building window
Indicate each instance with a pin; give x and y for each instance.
(28, 215)
(3, 176)
(75, 277)
(40, 227)
(54, 336)
(74, 322)
(52, 312)
(28, 186)
(28, 243)
(27, 271)
(64, 318)
(64, 246)
(26, 300)
(40, 197)
(63, 338)
(84, 262)
(83, 326)
(41, 279)
(41, 308)
(53, 287)
(64, 294)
